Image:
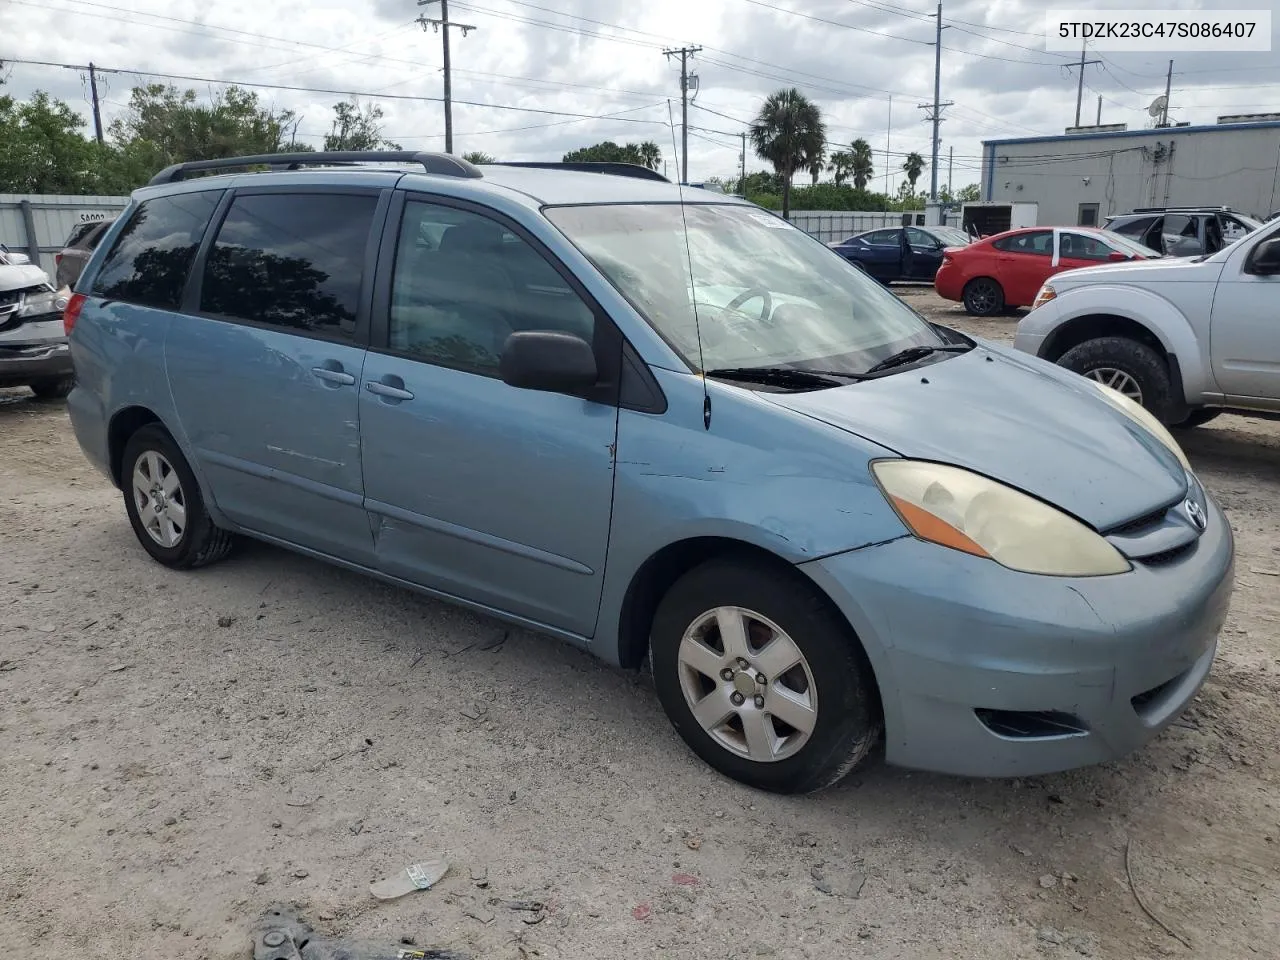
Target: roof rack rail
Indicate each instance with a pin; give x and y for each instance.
(607, 167)
(1207, 206)
(441, 164)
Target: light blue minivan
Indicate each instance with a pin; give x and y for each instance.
(662, 424)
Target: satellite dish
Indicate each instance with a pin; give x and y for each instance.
(1158, 106)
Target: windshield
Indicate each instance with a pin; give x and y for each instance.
(1128, 244)
(765, 293)
(951, 236)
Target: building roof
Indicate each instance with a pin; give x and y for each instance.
(1157, 132)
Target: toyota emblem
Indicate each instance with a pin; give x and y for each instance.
(1195, 514)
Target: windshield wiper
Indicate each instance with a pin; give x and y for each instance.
(912, 354)
(786, 376)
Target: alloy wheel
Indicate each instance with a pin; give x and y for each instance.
(159, 499)
(1117, 380)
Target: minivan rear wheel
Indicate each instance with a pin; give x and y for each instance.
(762, 679)
(164, 503)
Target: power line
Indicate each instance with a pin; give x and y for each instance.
(326, 90)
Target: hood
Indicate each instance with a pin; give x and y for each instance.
(21, 276)
(1132, 271)
(1016, 419)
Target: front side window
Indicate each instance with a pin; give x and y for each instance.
(291, 261)
(748, 288)
(463, 283)
(152, 255)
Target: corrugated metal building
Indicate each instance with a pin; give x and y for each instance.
(39, 224)
(1081, 178)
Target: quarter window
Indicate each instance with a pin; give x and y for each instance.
(463, 283)
(153, 253)
(291, 261)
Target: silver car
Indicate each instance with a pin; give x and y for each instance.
(33, 343)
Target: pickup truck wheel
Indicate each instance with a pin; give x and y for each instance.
(1127, 366)
(1198, 418)
(983, 297)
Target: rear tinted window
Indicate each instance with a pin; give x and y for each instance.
(78, 233)
(153, 253)
(293, 261)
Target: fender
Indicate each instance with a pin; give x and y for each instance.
(1156, 314)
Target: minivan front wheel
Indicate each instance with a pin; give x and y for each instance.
(164, 504)
(762, 679)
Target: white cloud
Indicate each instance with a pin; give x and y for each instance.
(524, 55)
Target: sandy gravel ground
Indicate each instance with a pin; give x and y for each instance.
(180, 750)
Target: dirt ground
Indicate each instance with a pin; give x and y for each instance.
(181, 750)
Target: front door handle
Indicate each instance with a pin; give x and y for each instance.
(336, 377)
(390, 387)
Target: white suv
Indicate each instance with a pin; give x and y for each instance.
(1185, 337)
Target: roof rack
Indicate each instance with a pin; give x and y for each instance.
(441, 164)
(1193, 209)
(611, 168)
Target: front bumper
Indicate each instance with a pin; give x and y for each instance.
(987, 672)
(22, 363)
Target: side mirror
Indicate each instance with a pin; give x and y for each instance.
(1115, 256)
(1264, 261)
(548, 360)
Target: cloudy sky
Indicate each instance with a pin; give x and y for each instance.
(551, 75)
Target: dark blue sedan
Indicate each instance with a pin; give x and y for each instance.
(900, 253)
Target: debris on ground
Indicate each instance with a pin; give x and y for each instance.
(836, 884)
(282, 934)
(416, 876)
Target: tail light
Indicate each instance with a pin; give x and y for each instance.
(72, 313)
(57, 259)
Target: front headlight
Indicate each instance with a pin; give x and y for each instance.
(1143, 418)
(971, 513)
(1046, 294)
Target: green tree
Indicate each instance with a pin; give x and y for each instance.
(43, 150)
(839, 165)
(789, 133)
(816, 161)
(357, 128)
(969, 194)
(646, 154)
(477, 157)
(164, 125)
(913, 166)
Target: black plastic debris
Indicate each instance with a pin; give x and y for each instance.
(282, 934)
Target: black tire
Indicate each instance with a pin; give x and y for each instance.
(201, 542)
(847, 700)
(1199, 418)
(983, 297)
(53, 389)
(1147, 368)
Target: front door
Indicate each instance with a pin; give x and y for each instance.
(1245, 334)
(883, 257)
(924, 255)
(265, 375)
(487, 492)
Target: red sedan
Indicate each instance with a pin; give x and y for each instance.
(1007, 270)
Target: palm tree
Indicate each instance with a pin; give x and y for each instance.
(789, 133)
(913, 166)
(840, 165)
(861, 169)
(650, 155)
(816, 162)
(477, 157)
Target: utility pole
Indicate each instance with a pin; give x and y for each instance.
(97, 111)
(744, 165)
(446, 24)
(888, 135)
(1080, 81)
(1098, 122)
(684, 53)
(951, 159)
(935, 112)
(1168, 88)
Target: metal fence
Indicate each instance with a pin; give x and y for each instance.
(39, 224)
(829, 225)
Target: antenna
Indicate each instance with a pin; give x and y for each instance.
(693, 293)
(1158, 105)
